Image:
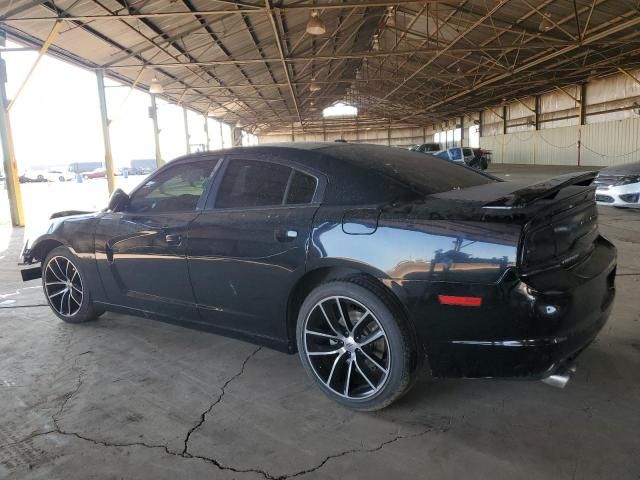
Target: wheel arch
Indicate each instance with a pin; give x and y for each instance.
(43, 247)
(312, 278)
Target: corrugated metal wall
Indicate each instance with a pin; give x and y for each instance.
(602, 144)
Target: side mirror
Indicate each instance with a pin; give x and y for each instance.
(118, 201)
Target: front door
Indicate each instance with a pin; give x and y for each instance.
(247, 249)
(141, 251)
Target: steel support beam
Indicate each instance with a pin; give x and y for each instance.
(186, 129)
(206, 132)
(582, 115)
(104, 117)
(504, 119)
(536, 113)
(45, 46)
(153, 113)
(8, 154)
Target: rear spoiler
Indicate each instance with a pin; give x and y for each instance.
(543, 190)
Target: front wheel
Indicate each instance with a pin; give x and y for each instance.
(66, 287)
(356, 345)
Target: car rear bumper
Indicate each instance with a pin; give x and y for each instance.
(525, 327)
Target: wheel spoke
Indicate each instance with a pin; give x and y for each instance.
(326, 317)
(74, 299)
(59, 268)
(57, 293)
(372, 338)
(345, 318)
(320, 334)
(50, 269)
(69, 303)
(346, 385)
(363, 374)
(359, 322)
(55, 283)
(372, 360)
(328, 352)
(333, 368)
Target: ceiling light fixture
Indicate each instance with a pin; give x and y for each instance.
(315, 25)
(391, 17)
(211, 112)
(376, 43)
(314, 87)
(546, 24)
(155, 87)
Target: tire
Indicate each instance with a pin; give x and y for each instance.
(386, 362)
(41, 178)
(61, 179)
(71, 302)
(484, 164)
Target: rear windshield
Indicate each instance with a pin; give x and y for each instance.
(423, 174)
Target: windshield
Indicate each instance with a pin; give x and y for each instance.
(423, 174)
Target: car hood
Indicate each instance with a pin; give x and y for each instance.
(620, 170)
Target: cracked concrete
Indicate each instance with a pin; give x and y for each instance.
(126, 397)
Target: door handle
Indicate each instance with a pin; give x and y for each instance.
(286, 235)
(173, 239)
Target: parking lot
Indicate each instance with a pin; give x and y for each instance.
(127, 397)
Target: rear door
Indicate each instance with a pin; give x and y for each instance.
(249, 246)
(141, 252)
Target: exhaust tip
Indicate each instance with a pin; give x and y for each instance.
(561, 377)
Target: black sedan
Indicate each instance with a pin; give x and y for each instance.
(374, 263)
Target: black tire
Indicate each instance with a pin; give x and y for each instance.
(399, 342)
(55, 272)
(61, 178)
(484, 164)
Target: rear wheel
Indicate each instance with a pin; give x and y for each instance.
(355, 344)
(66, 287)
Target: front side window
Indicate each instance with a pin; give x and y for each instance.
(176, 189)
(251, 183)
(467, 152)
(443, 154)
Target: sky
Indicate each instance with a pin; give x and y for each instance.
(56, 118)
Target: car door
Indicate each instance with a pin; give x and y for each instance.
(249, 246)
(141, 252)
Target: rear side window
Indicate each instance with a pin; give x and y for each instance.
(302, 188)
(467, 152)
(250, 183)
(456, 153)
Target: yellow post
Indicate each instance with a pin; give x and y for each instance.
(108, 157)
(8, 153)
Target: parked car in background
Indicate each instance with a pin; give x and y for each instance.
(58, 176)
(456, 154)
(373, 263)
(97, 173)
(619, 186)
(32, 176)
(426, 148)
(142, 166)
(481, 159)
(83, 167)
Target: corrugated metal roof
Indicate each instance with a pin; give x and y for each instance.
(407, 62)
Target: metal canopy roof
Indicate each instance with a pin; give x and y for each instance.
(408, 62)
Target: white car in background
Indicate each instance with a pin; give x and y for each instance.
(619, 186)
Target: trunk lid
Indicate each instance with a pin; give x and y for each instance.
(557, 217)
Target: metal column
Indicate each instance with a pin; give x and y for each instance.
(186, 129)
(206, 132)
(8, 154)
(504, 119)
(462, 131)
(153, 113)
(108, 156)
(537, 112)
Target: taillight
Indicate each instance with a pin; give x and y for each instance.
(540, 245)
(460, 301)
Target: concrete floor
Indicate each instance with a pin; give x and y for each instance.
(126, 397)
